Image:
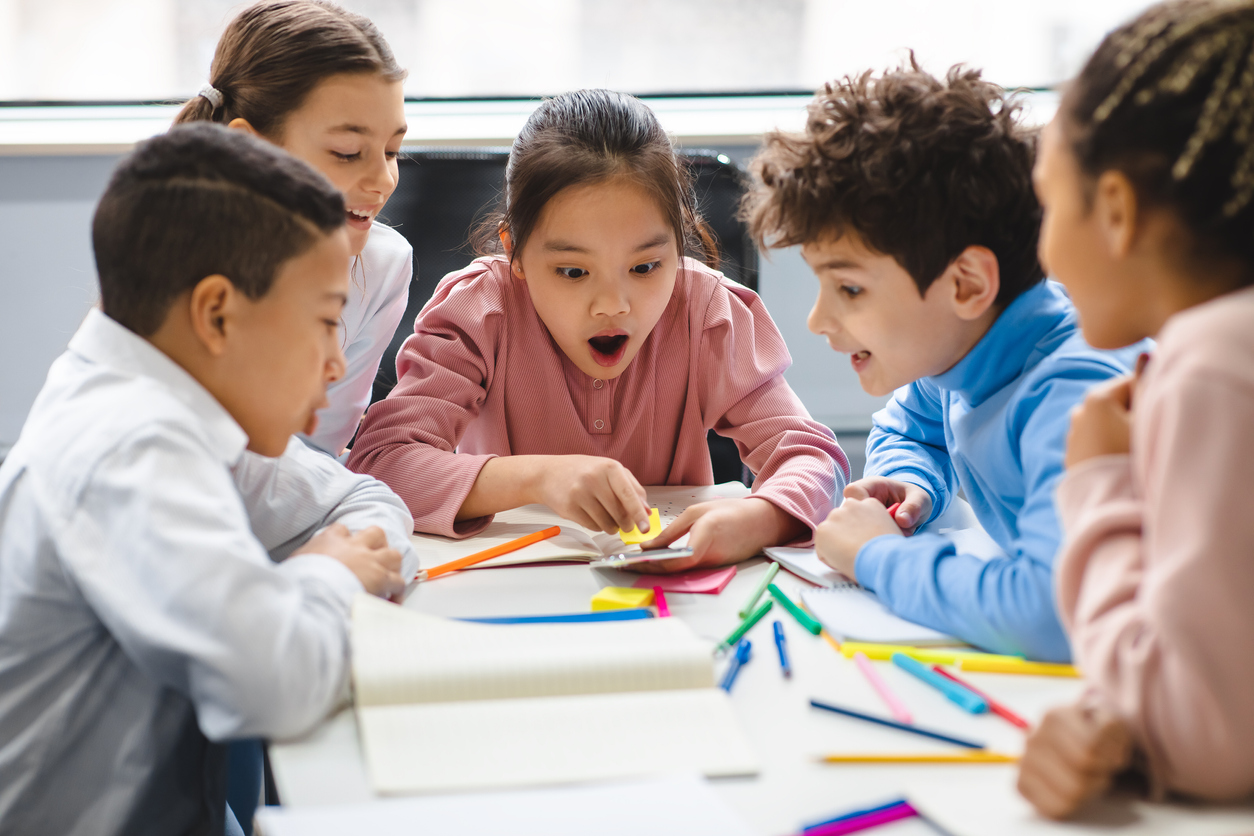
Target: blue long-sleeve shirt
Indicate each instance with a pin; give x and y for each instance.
(994, 425)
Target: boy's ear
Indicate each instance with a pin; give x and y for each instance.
(976, 280)
(1116, 211)
(210, 308)
(239, 123)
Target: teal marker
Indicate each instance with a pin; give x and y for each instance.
(771, 571)
(803, 617)
(964, 699)
(746, 625)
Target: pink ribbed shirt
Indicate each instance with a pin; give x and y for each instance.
(1156, 577)
(481, 376)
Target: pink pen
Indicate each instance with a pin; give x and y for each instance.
(659, 598)
(895, 705)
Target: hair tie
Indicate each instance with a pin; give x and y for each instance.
(213, 94)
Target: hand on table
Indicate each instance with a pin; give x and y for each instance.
(1102, 424)
(1071, 757)
(723, 531)
(367, 555)
(597, 493)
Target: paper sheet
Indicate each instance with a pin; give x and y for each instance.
(850, 613)
(682, 805)
(983, 801)
(706, 581)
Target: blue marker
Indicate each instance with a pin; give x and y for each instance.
(782, 646)
(742, 655)
(963, 698)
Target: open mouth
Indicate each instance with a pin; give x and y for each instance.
(607, 349)
(358, 217)
(859, 359)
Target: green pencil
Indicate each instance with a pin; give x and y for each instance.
(803, 617)
(771, 571)
(745, 625)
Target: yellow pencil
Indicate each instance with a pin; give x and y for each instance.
(929, 655)
(972, 757)
(1019, 666)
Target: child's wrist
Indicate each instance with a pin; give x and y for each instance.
(780, 526)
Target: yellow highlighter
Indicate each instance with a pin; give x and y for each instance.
(1013, 664)
(635, 536)
(928, 655)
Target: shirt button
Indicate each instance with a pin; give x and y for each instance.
(598, 383)
(599, 424)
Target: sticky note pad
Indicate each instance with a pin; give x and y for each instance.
(634, 536)
(622, 598)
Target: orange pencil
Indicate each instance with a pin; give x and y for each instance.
(488, 554)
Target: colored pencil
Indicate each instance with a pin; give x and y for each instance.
(895, 705)
(993, 705)
(1014, 665)
(953, 692)
(803, 617)
(892, 724)
(870, 820)
(771, 571)
(488, 554)
(977, 756)
(659, 598)
(852, 814)
(747, 624)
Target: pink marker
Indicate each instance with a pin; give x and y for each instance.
(659, 598)
(892, 510)
(895, 705)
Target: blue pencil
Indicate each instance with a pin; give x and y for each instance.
(858, 715)
(601, 615)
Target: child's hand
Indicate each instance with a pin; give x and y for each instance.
(724, 531)
(916, 503)
(595, 492)
(847, 528)
(1071, 757)
(367, 555)
(1102, 424)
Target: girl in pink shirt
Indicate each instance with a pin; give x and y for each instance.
(590, 358)
(1146, 176)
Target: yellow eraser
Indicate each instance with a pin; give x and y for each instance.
(622, 598)
(634, 536)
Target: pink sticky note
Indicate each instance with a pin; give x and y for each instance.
(709, 581)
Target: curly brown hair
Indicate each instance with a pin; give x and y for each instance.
(919, 168)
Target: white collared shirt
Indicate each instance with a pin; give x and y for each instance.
(142, 613)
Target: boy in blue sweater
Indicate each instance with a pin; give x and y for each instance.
(912, 200)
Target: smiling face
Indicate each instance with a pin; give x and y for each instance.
(284, 349)
(600, 266)
(350, 128)
(869, 308)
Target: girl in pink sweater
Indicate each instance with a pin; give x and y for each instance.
(590, 358)
(1146, 176)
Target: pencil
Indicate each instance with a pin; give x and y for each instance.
(993, 705)
(488, 554)
(771, 571)
(895, 705)
(892, 724)
(976, 756)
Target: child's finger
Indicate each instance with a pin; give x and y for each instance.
(670, 533)
(372, 537)
(601, 517)
(632, 499)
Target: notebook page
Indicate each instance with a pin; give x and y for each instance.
(851, 613)
(401, 656)
(446, 747)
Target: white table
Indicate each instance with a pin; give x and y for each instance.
(326, 766)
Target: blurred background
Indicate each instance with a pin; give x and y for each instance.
(82, 80)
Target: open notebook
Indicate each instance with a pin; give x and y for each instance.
(445, 705)
(575, 544)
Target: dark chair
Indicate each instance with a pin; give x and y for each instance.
(445, 193)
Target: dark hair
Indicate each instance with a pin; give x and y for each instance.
(274, 53)
(919, 168)
(1168, 100)
(198, 201)
(589, 136)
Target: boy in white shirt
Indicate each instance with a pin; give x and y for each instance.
(143, 615)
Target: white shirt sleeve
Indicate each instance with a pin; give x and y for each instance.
(291, 498)
(159, 545)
